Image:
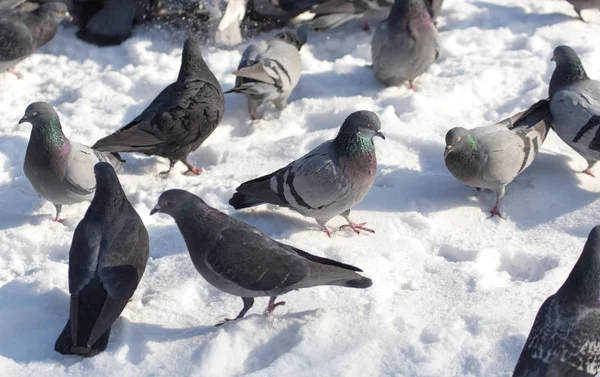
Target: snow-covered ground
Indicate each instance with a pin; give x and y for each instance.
(454, 293)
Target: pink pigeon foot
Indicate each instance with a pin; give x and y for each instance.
(327, 231)
(589, 172)
(193, 171)
(357, 227)
(412, 86)
(496, 211)
(366, 26)
(271, 307)
(17, 74)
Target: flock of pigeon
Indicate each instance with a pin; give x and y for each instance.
(110, 245)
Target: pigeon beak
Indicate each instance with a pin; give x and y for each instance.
(23, 120)
(378, 133)
(155, 209)
(553, 58)
(447, 151)
(68, 17)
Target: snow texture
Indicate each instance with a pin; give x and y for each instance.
(454, 294)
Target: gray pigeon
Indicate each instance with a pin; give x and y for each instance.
(575, 106)
(326, 182)
(61, 171)
(179, 119)
(405, 44)
(269, 70)
(240, 260)
(580, 5)
(564, 339)
(21, 33)
(492, 157)
(106, 262)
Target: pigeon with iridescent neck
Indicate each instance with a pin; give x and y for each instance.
(575, 106)
(580, 5)
(405, 44)
(326, 182)
(492, 157)
(60, 170)
(564, 338)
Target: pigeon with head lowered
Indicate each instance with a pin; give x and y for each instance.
(240, 260)
(405, 44)
(564, 339)
(326, 182)
(575, 106)
(107, 259)
(21, 33)
(179, 119)
(269, 70)
(60, 170)
(492, 157)
(580, 5)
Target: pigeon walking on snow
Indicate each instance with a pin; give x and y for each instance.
(269, 70)
(492, 157)
(575, 106)
(580, 5)
(240, 260)
(21, 33)
(326, 182)
(179, 119)
(61, 171)
(405, 44)
(106, 262)
(566, 332)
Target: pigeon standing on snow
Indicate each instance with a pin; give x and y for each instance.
(566, 332)
(269, 70)
(405, 44)
(580, 5)
(179, 119)
(575, 106)
(326, 182)
(238, 259)
(21, 33)
(106, 262)
(61, 171)
(492, 157)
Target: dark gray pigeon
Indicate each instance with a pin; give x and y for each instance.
(575, 106)
(179, 119)
(21, 33)
(240, 260)
(564, 339)
(269, 70)
(492, 157)
(61, 171)
(106, 262)
(405, 44)
(326, 182)
(580, 5)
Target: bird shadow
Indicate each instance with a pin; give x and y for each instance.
(278, 223)
(165, 242)
(357, 81)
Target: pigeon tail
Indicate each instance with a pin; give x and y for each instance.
(362, 282)
(65, 347)
(240, 201)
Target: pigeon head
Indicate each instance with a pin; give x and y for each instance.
(175, 202)
(569, 68)
(365, 124)
(192, 62)
(583, 283)
(55, 11)
(296, 37)
(40, 115)
(454, 136)
(106, 177)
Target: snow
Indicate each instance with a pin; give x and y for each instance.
(454, 294)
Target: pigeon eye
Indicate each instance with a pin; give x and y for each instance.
(168, 204)
(370, 126)
(34, 113)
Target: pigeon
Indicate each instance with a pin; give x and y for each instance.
(269, 70)
(492, 157)
(580, 5)
(183, 115)
(405, 44)
(21, 33)
(106, 262)
(326, 182)
(564, 339)
(575, 106)
(238, 259)
(434, 6)
(60, 170)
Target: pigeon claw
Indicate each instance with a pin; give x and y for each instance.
(496, 212)
(17, 74)
(271, 307)
(192, 171)
(589, 172)
(224, 322)
(327, 231)
(357, 227)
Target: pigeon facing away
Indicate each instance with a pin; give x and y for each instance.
(492, 157)
(61, 171)
(326, 182)
(269, 70)
(240, 260)
(179, 119)
(106, 262)
(575, 106)
(21, 33)
(405, 44)
(566, 332)
(580, 5)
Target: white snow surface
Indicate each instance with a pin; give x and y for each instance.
(455, 292)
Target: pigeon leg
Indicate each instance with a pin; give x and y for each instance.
(412, 86)
(248, 302)
(58, 211)
(165, 174)
(192, 170)
(272, 305)
(253, 108)
(579, 14)
(11, 70)
(327, 231)
(496, 211)
(354, 226)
